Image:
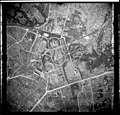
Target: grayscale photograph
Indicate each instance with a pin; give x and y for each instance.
(60, 57)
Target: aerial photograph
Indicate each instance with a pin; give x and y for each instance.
(60, 57)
